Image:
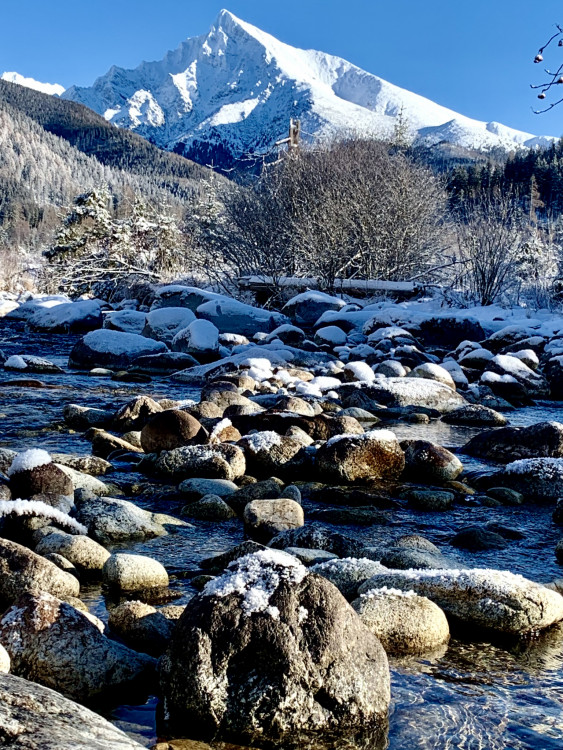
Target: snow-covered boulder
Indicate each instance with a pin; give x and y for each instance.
(331, 335)
(163, 324)
(534, 383)
(349, 458)
(200, 339)
(269, 454)
(538, 479)
(404, 622)
(358, 372)
(304, 639)
(431, 371)
(69, 317)
(491, 599)
(126, 321)
(394, 392)
(475, 415)
(222, 461)
(232, 316)
(177, 295)
(306, 308)
(56, 645)
(113, 349)
(508, 336)
(37, 302)
(33, 472)
(29, 363)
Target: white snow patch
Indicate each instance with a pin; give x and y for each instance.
(37, 508)
(28, 460)
(262, 441)
(255, 578)
(15, 362)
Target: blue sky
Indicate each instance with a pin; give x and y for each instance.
(474, 56)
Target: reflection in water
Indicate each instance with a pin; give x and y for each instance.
(470, 696)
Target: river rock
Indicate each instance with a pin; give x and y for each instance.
(428, 462)
(22, 570)
(30, 363)
(141, 626)
(348, 574)
(534, 383)
(32, 472)
(404, 622)
(110, 520)
(349, 458)
(111, 349)
(395, 392)
(538, 479)
(82, 417)
(316, 536)
(85, 554)
(231, 316)
(104, 443)
(135, 414)
(92, 465)
(196, 488)
(209, 508)
(222, 461)
(306, 308)
(492, 599)
(171, 429)
(431, 371)
(477, 539)
(126, 321)
(265, 518)
(33, 717)
(306, 642)
(134, 572)
(81, 481)
(475, 415)
(513, 443)
(56, 645)
(200, 339)
(268, 453)
(70, 317)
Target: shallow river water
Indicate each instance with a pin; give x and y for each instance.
(474, 696)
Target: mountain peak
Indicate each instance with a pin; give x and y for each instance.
(233, 91)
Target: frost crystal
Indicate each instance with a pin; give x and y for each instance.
(256, 578)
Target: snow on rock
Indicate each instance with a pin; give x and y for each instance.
(177, 295)
(55, 89)
(15, 362)
(359, 371)
(76, 317)
(492, 599)
(36, 508)
(255, 578)
(127, 321)
(232, 316)
(164, 323)
(29, 459)
(537, 478)
(200, 336)
(34, 304)
(106, 348)
(393, 392)
(332, 335)
(262, 441)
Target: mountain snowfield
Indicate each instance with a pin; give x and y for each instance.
(233, 91)
(46, 88)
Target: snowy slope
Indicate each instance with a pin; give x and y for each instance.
(234, 90)
(31, 83)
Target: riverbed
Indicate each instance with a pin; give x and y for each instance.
(474, 696)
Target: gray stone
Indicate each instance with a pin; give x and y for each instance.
(134, 572)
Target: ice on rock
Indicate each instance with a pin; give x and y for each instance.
(28, 460)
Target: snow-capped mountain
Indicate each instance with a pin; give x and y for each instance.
(234, 90)
(46, 88)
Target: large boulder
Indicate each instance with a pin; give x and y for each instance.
(404, 622)
(177, 295)
(449, 330)
(475, 415)
(349, 458)
(171, 429)
(69, 317)
(394, 392)
(348, 574)
(134, 572)
(56, 645)
(165, 323)
(533, 382)
(269, 652)
(33, 717)
(22, 570)
(270, 454)
(200, 339)
(231, 316)
(264, 518)
(126, 321)
(306, 308)
(110, 520)
(544, 439)
(113, 349)
(141, 626)
(87, 555)
(135, 414)
(490, 599)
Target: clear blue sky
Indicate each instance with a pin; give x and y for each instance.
(474, 56)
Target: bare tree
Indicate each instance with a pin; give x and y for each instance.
(554, 77)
